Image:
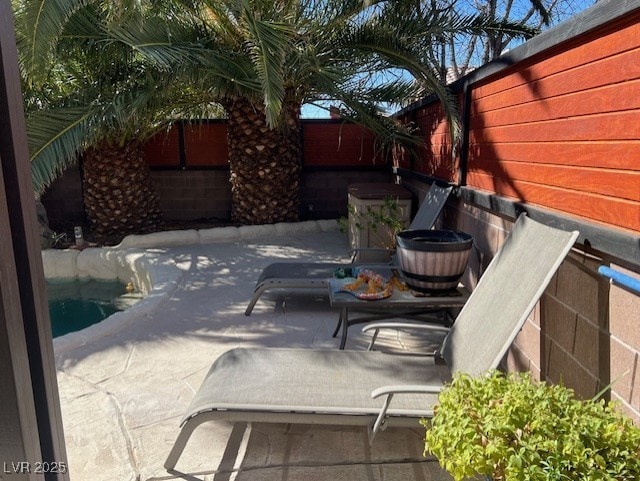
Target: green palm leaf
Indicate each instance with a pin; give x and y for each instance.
(41, 22)
(267, 44)
(55, 139)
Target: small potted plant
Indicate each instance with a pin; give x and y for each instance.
(510, 427)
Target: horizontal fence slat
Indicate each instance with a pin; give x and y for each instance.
(326, 144)
(612, 155)
(335, 144)
(619, 126)
(590, 50)
(616, 212)
(613, 98)
(163, 150)
(614, 183)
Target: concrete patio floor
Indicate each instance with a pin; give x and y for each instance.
(123, 394)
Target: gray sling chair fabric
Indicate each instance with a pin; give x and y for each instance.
(314, 275)
(374, 388)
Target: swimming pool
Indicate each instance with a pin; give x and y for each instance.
(78, 303)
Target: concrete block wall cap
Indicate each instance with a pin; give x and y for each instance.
(328, 225)
(219, 234)
(60, 264)
(257, 231)
(156, 239)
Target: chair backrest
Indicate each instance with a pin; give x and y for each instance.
(431, 207)
(507, 293)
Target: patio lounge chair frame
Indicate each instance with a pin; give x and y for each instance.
(344, 387)
(314, 275)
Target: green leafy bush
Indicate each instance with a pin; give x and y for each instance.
(514, 428)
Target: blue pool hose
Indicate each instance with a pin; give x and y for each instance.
(620, 278)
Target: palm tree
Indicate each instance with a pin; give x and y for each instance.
(284, 53)
(260, 60)
(98, 99)
(90, 95)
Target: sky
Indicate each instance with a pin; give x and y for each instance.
(571, 8)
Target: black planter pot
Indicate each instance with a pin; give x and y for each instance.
(433, 261)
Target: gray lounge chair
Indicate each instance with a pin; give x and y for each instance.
(314, 275)
(345, 387)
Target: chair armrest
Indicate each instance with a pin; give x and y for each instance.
(423, 326)
(377, 326)
(389, 392)
(406, 389)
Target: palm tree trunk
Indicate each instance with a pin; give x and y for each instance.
(264, 164)
(119, 197)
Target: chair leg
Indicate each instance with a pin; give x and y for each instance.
(374, 337)
(335, 333)
(379, 423)
(256, 295)
(181, 442)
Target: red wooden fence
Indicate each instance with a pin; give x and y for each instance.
(163, 150)
(336, 144)
(560, 130)
(436, 159)
(327, 143)
(205, 144)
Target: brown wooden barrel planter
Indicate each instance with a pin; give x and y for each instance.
(433, 260)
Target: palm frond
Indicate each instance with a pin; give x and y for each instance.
(388, 49)
(267, 43)
(95, 68)
(56, 137)
(387, 130)
(41, 23)
(479, 24)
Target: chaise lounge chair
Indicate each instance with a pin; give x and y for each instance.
(375, 388)
(314, 275)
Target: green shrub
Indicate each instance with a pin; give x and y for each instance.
(514, 428)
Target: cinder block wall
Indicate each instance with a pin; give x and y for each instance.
(206, 193)
(193, 194)
(63, 199)
(584, 332)
(323, 193)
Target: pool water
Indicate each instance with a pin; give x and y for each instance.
(76, 304)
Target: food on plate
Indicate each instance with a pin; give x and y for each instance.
(370, 285)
